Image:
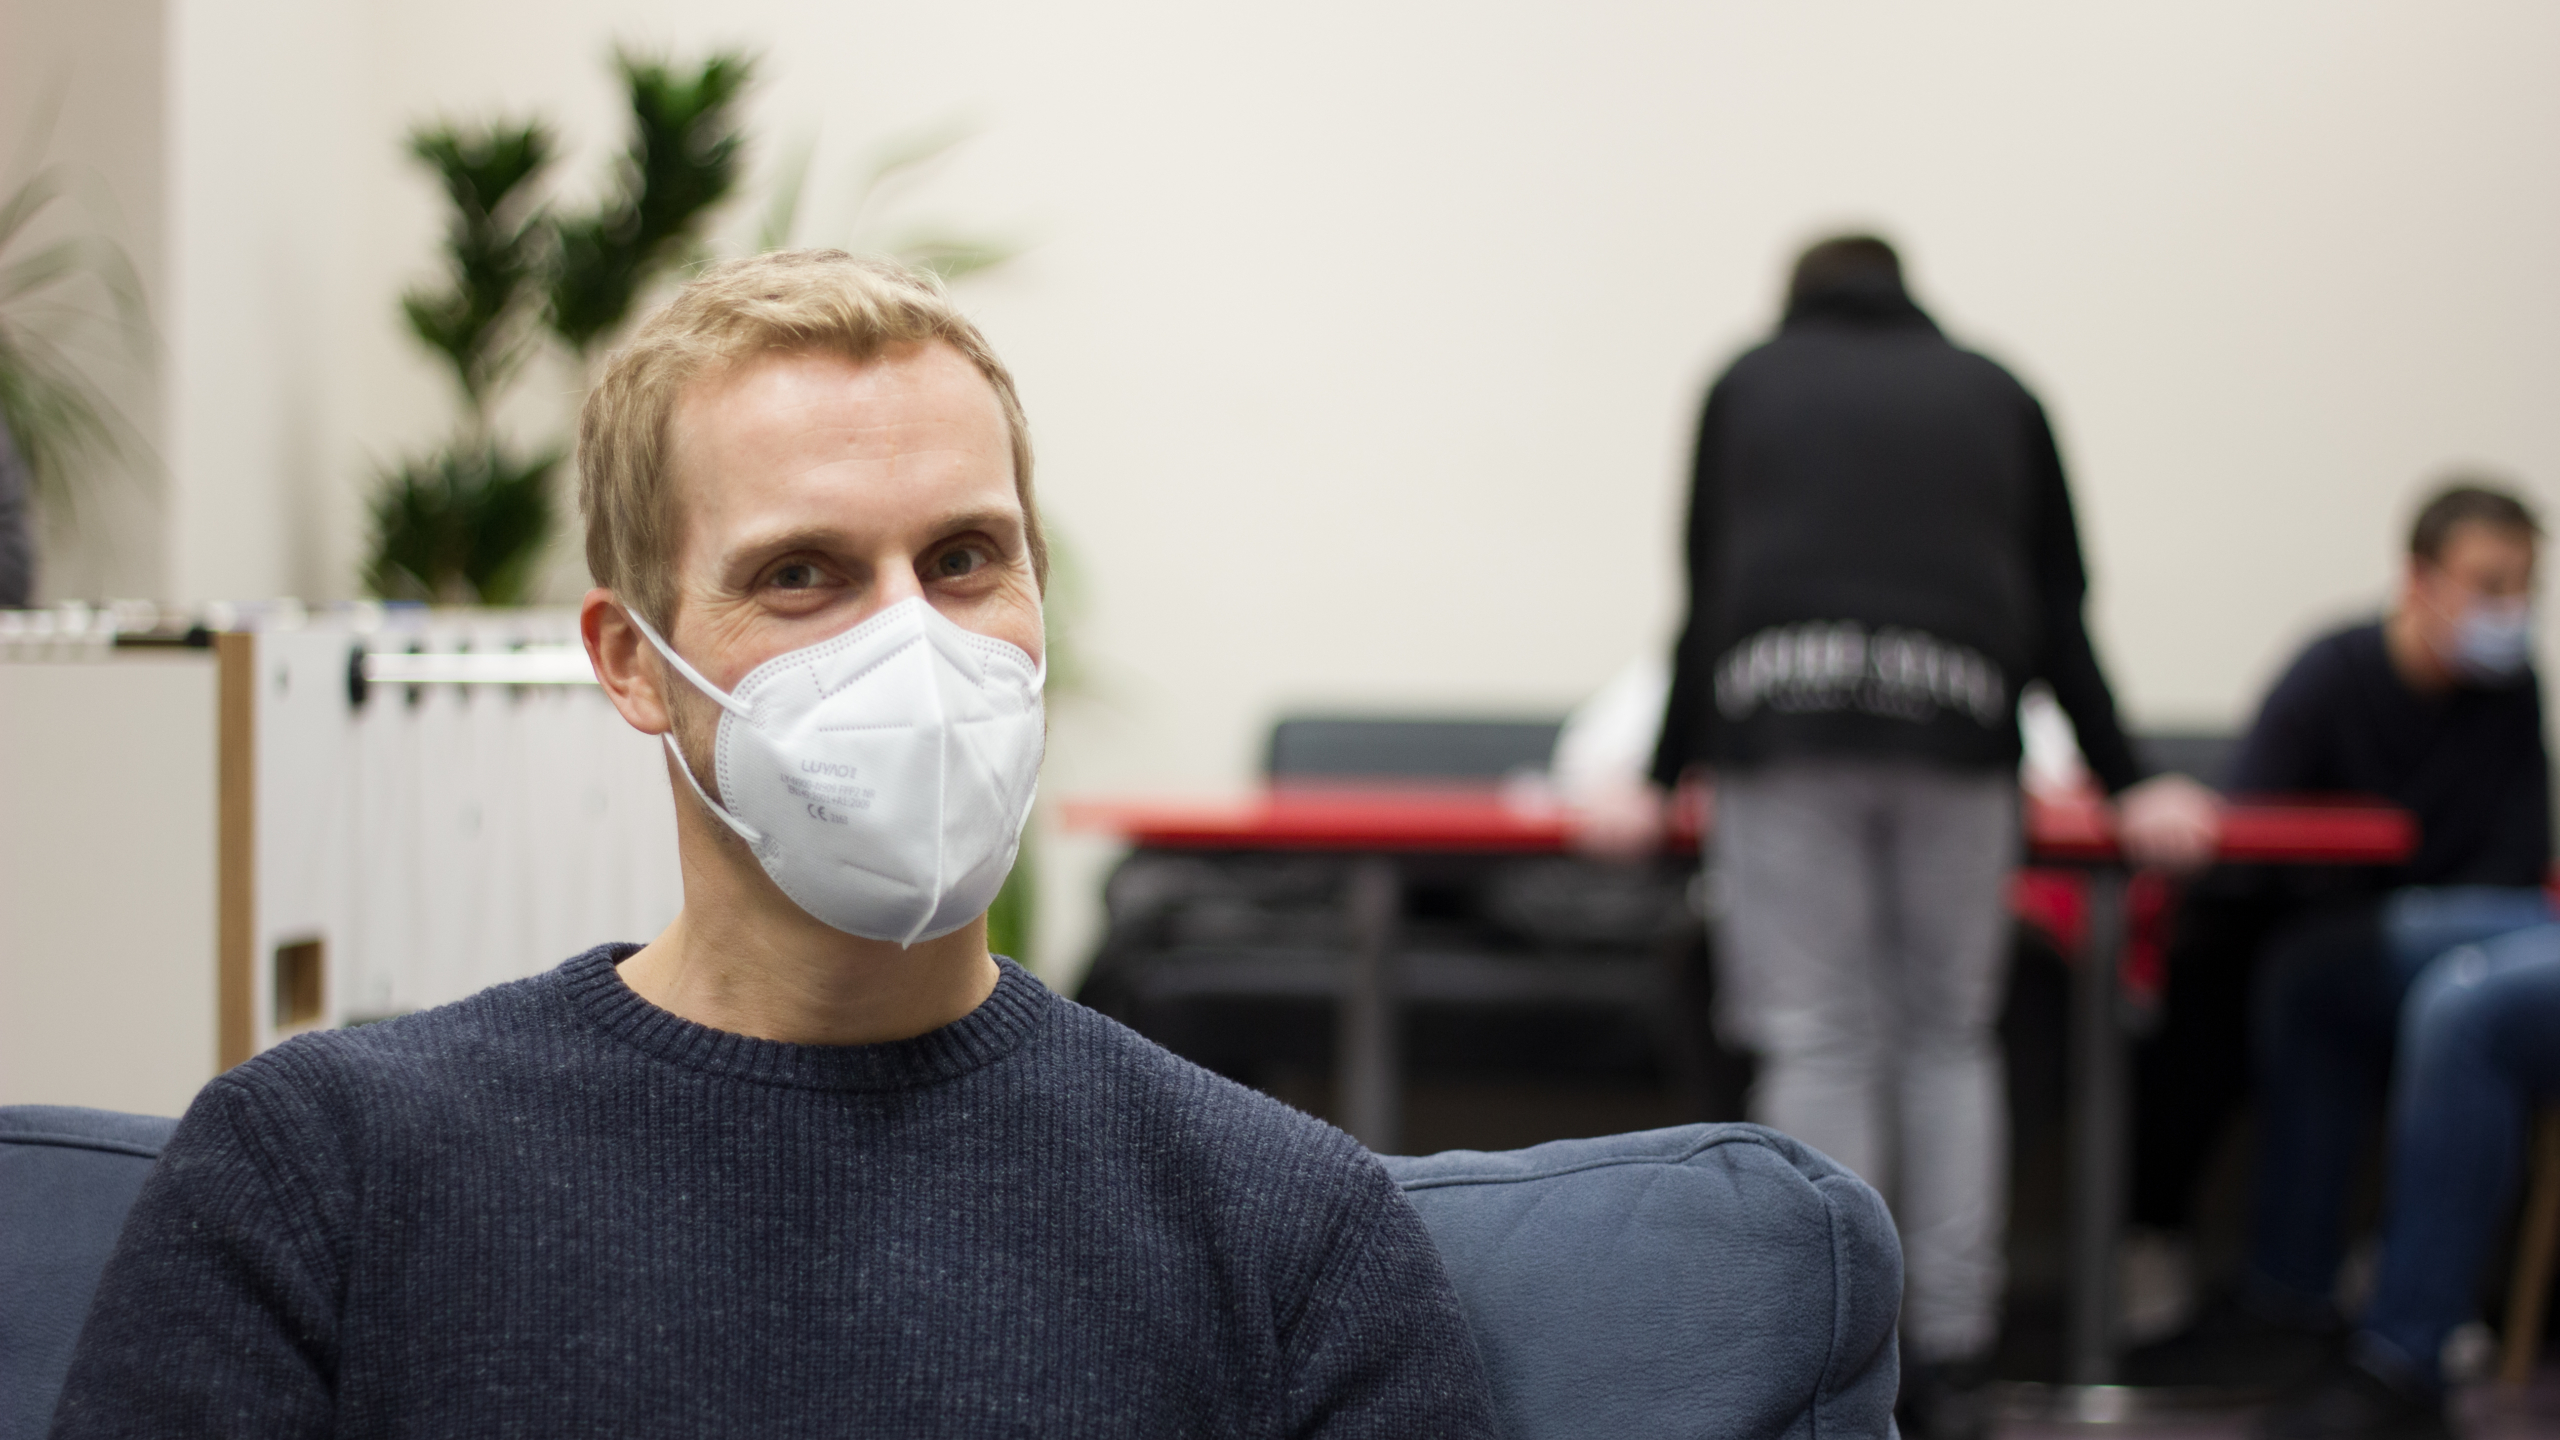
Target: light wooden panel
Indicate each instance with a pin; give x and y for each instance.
(236, 859)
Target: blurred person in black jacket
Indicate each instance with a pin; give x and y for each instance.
(2295, 978)
(1881, 554)
(17, 526)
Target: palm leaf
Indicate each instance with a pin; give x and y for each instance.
(951, 257)
(782, 212)
(53, 336)
(903, 159)
(23, 204)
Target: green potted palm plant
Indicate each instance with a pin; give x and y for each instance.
(69, 305)
(467, 521)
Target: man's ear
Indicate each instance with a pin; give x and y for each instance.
(626, 665)
(2413, 582)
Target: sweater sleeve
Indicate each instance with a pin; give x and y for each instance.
(1691, 711)
(1380, 1347)
(2066, 660)
(217, 1314)
(2286, 750)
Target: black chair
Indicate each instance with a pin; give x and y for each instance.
(67, 1176)
(1319, 750)
(2205, 755)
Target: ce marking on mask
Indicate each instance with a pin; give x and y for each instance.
(824, 799)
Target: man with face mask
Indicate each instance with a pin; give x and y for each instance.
(2435, 709)
(812, 1161)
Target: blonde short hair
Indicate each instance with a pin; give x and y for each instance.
(792, 300)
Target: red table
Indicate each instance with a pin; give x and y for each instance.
(1375, 826)
(1472, 819)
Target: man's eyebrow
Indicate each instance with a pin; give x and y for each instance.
(833, 537)
(807, 537)
(959, 521)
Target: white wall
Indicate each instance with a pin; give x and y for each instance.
(271, 156)
(1362, 342)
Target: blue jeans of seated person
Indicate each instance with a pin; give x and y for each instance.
(2328, 1013)
(2479, 1045)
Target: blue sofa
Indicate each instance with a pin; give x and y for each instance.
(1706, 1280)
(66, 1178)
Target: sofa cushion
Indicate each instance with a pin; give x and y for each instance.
(67, 1176)
(1703, 1280)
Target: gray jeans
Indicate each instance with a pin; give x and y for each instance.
(1862, 946)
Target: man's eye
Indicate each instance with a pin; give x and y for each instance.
(800, 576)
(951, 564)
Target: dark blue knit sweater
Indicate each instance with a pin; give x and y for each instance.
(556, 1210)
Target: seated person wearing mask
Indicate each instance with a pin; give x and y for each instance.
(2477, 1053)
(811, 1161)
(2437, 710)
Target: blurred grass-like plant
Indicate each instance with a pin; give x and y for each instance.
(66, 304)
(879, 179)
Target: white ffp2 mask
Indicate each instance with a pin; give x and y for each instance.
(882, 777)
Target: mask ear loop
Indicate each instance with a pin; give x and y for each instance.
(728, 702)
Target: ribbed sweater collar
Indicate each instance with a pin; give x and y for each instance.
(595, 989)
(1867, 301)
